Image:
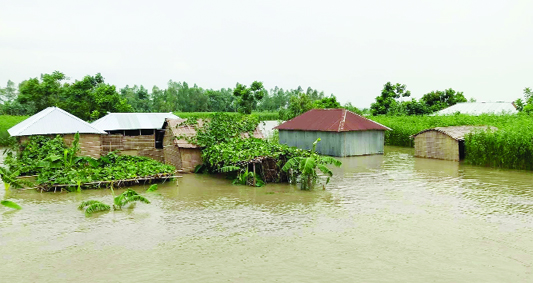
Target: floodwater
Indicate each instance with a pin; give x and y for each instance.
(384, 218)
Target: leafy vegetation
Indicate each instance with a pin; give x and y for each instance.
(248, 97)
(129, 196)
(390, 102)
(10, 180)
(57, 164)
(261, 116)
(305, 169)
(6, 122)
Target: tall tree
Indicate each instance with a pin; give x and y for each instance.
(248, 97)
(388, 98)
(438, 100)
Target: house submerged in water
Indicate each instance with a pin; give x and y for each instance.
(447, 143)
(342, 133)
(54, 121)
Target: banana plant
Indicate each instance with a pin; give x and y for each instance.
(9, 178)
(127, 197)
(305, 168)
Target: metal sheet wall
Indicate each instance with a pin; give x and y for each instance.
(336, 144)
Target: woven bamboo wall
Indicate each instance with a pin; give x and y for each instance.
(132, 145)
(171, 151)
(434, 144)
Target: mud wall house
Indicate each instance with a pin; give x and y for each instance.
(139, 134)
(178, 151)
(445, 143)
(54, 121)
(342, 133)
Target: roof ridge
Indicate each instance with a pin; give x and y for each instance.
(343, 121)
(38, 119)
(77, 118)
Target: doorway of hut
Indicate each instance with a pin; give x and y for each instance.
(461, 150)
(159, 135)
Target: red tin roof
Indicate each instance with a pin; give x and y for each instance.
(331, 120)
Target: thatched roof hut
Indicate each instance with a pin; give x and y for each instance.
(445, 143)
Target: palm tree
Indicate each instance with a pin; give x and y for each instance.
(306, 168)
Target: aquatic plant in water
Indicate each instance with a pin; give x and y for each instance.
(305, 168)
(127, 197)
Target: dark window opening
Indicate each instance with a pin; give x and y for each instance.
(159, 135)
(132, 133)
(461, 150)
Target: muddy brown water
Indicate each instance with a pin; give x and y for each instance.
(388, 218)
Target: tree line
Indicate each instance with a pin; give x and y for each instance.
(91, 98)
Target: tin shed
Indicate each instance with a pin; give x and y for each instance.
(342, 133)
(54, 121)
(445, 143)
(134, 133)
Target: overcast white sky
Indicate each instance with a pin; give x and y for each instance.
(348, 48)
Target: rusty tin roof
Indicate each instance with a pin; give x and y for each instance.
(331, 120)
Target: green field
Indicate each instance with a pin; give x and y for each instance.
(6, 122)
(263, 116)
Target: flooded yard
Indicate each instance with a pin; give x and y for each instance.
(383, 218)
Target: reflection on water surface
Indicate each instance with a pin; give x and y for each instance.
(383, 218)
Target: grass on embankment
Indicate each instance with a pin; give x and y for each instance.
(511, 146)
(6, 122)
(263, 116)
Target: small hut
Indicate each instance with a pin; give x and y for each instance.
(445, 143)
(134, 133)
(179, 152)
(342, 133)
(54, 121)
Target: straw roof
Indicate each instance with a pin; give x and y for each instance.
(53, 121)
(456, 132)
(189, 131)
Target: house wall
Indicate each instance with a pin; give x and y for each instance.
(171, 151)
(336, 144)
(132, 145)
(90, 144)
(190, 158)
(434, 144)
(363, 143)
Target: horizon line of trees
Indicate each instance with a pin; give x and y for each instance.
(92, 98)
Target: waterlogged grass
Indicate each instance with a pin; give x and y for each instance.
(6, 122)
(263, 116)
(511, 146)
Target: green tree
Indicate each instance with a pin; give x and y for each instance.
(525, 105)
(40, 94)
(326, 103)
(298, 104)
(248, 97)
(438, 100)
(389, 98)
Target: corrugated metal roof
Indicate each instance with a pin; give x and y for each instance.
(456, 132)
(132, 121)
(478, 108)
(52, 121)
(188, 131)
(331, 120)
